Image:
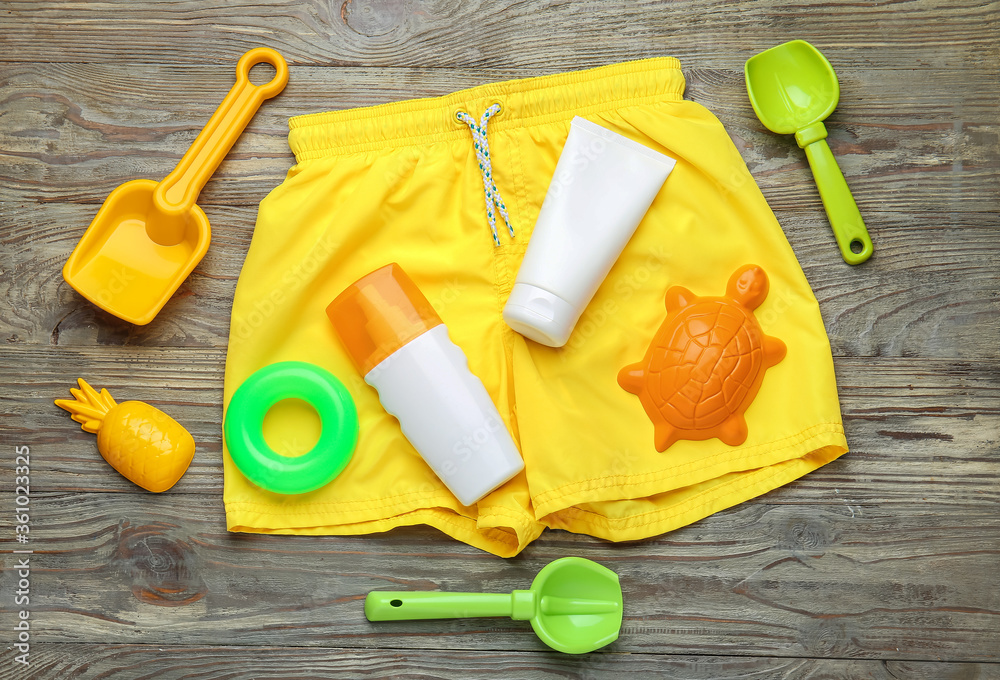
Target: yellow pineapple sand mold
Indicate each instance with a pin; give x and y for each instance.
(143, 443)
(402, 183)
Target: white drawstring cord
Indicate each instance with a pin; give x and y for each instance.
(482, 146)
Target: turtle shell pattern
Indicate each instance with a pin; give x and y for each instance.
(704, 369)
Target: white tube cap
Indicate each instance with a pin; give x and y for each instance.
(540, 315)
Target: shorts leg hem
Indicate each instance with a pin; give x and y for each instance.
(799, 455)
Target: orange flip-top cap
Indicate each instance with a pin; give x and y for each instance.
(378, 314)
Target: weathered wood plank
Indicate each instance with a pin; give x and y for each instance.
(74, 132)
(907, 582)
(58, 661)
(923, 33)
(884, 308)
(920, 430)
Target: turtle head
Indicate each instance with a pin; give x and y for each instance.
(748, 286)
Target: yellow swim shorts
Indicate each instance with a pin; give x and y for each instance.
(401, 183)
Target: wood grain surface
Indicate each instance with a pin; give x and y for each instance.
(883, 564)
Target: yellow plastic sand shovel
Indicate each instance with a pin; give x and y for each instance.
(148, 236)
(793, 88)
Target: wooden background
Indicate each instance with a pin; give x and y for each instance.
(883, 564)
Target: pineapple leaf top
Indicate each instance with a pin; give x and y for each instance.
(87, 407)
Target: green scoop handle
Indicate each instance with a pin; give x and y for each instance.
(845, 218)
(518, 605)
(412, 605)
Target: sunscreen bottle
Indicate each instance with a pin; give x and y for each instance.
(401, 347)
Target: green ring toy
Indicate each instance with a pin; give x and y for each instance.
(244, 427)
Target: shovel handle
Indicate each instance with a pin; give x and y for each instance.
(845, 218)
(176, 194)
(410, 605)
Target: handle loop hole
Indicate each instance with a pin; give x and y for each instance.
(264, 55)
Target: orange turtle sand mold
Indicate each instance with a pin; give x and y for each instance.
(706, 363)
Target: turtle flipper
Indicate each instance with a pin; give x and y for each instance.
(632, 378)
(664, 435)
(733, 431)
(774, 351)
(678, 297)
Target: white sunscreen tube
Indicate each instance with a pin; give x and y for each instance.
(603, 185)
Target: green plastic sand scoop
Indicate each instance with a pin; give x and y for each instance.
(793, 88)
(574, 605)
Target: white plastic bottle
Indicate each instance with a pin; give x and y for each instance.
(603, 185)
(401, 346)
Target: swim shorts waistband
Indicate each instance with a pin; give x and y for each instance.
(524, 102)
